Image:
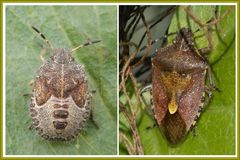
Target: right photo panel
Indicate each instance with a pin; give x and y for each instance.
(177, 79)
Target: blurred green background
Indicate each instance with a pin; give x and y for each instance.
(65, 27)
(215, 130)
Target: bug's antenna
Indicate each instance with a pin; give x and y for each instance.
(85, 44)
(44, 37)
(158, 39)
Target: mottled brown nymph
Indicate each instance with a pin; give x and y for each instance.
(60, 103)
(178, 86)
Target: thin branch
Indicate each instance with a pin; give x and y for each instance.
(149, 41)
(127, 143)
(211, 23)
(132, 121)
(169, 11)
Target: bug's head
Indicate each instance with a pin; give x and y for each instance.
(185, 36)
(62, 56)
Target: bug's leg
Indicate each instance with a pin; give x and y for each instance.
(91, 112)
(145, 89)
(194, 131)
(151, 127)
(212, 85)
(204, 27)
(206, 97)
(208, 90)
(155, 53)
(31, 83)
(207, 27)
(148, 108)
(27, 95)
(163, 38)
(42, 54)
(209, 48)
(93, 91)
(209, 93)
(93, 121)
(31, 127)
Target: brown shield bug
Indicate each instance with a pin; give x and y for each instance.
(179, 86)
(60, 102)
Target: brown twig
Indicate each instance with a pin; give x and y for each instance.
(211, 23)
(149, 42)
(127, 143)
(128, 109)
(138, 148)
(136, 90)
(126, 66)
(207, 26)
(164, 15)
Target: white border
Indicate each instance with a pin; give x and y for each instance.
(117, 4)
(236, 82)
(117, 81)
(4, 82)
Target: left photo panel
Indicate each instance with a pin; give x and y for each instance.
(60, 74)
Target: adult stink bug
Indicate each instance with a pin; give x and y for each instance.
(179, 86)
(60, 103)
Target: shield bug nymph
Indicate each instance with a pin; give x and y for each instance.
(60, 102)
(179, 85)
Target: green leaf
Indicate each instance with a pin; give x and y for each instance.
(65, 27)
(215, 131)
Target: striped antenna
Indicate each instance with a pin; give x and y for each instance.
(158, 39)
(164, 37)
(43, 37)
(85, 44)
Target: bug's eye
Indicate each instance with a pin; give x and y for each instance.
(54, 58)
